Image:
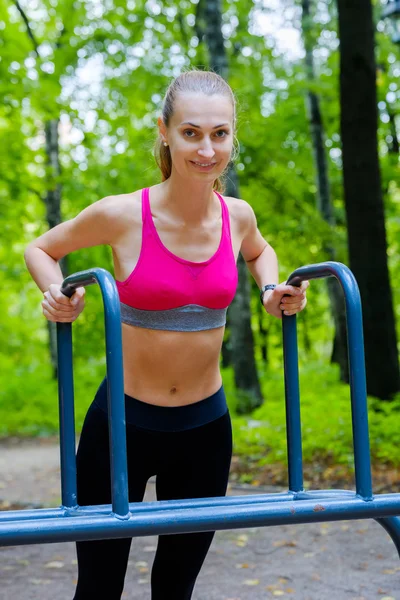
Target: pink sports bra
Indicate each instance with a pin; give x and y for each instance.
(167, 292)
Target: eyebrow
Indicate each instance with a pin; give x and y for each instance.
(198, 126)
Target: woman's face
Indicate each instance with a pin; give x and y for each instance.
(200, 135)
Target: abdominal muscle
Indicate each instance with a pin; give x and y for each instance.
(171, 368)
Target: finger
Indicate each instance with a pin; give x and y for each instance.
(294, 308)
(56, 305)
(292, 290)
(293, 299)
(77, 297)
(55, 312)
(57, 295)
(57, 319)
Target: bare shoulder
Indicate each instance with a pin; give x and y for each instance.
(123, 211)
(241, 213)
(121, 206)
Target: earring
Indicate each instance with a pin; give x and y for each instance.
(165, 144)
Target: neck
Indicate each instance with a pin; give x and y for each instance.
(189, 201)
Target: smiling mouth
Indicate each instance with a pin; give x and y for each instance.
(203, 164)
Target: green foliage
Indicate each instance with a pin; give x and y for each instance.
(326, 421)
(102, 70)
(29, 407)
(29, 403)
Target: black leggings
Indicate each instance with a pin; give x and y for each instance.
(192, 463)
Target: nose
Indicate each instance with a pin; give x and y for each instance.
(206, 150)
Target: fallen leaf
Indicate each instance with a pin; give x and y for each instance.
(308, 554)
(23, 562)
(388, 598)
(141, 564)
(242, 540)
(289, 590)
(251, 582)
(278, 593)
(282, 543)
(315, 577)
(242, 566)
(54, 564)
(389, 572)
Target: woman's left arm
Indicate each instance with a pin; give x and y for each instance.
(262, 262)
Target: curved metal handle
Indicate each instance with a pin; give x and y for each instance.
(79, 279)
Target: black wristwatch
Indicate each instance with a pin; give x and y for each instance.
(265, 288)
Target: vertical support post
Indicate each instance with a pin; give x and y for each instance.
(358, 388)
(115, 385)
(116, 398)
(67, 416)
(292, 399)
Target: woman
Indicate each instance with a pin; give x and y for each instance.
(175, 248)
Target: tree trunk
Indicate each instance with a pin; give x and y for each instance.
(339, 352)
(53, 214)
(363, 195)
(241, 341)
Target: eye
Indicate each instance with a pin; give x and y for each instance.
(223, 131)
(186, 131)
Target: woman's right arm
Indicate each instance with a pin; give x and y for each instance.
(94, 226)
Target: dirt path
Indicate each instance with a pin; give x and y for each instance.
(344, 560)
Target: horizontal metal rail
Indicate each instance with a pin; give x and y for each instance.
(208, 518)
(163, 505)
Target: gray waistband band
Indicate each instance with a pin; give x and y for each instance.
(185, 318)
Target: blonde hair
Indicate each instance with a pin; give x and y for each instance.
(202, 82)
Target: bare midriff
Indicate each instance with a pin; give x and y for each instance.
(171, 368)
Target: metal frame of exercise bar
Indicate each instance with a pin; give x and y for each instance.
(71, 522)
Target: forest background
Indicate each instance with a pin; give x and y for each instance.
(81, 86)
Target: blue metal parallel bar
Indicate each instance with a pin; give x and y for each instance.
(292, 400)
(115, 379)
(209, 518)
(392, 527)
(121, 519)
(67, 417)
(164, 505)
(358, 389)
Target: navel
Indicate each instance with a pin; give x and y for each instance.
(173, 390)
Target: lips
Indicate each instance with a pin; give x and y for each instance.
(203, 165)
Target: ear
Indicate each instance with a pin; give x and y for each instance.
(162, 129)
